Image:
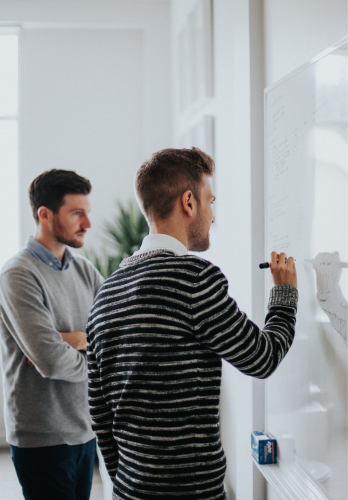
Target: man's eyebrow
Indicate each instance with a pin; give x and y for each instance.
(80, 209)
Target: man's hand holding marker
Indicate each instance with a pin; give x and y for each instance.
(282, 268)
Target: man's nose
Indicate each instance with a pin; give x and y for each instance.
(87, 222)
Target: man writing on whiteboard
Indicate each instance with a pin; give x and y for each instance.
(157, 333)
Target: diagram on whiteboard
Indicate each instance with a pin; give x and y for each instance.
(328, 269)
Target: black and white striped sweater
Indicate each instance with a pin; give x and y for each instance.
(155, 338)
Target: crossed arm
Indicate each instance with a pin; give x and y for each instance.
(77, 340)
(54, 355)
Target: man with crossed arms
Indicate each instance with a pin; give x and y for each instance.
(45, 297)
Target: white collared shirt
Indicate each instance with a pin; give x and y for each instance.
(161, 242)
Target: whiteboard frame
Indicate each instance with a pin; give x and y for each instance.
(306, 65)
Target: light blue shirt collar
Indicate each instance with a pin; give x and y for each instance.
(161, 242)
(40, 252)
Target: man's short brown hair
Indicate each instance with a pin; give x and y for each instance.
(167, 175)
(49, 188)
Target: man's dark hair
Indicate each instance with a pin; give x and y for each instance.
(49, 188)
(167, 175)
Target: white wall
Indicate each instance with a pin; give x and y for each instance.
(297, 30)
(82, 109)
(95, 95)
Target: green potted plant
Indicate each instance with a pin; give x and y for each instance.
(124, 235)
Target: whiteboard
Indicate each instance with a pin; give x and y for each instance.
(306, 187)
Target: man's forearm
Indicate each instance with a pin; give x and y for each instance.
(32, 326)
(77, 340)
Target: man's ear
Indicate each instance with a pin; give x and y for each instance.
(44, 214)
(188, 203)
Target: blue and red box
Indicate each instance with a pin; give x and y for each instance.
(264, 447)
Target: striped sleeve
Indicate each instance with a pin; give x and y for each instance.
(219, 324)
(102, 416)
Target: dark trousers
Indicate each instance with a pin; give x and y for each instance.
(60, 472)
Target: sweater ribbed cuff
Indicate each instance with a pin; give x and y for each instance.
(283, 295)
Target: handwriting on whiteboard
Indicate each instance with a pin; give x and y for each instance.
(328, 270)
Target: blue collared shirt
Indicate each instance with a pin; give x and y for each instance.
(34, 248)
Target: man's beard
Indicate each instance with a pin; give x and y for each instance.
(198, 240)
(60, 234)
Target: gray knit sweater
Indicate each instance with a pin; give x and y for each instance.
(45, 405)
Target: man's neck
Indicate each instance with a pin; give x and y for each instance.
(172, 228)
(54, 246)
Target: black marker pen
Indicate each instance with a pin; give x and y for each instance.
(266, 265)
